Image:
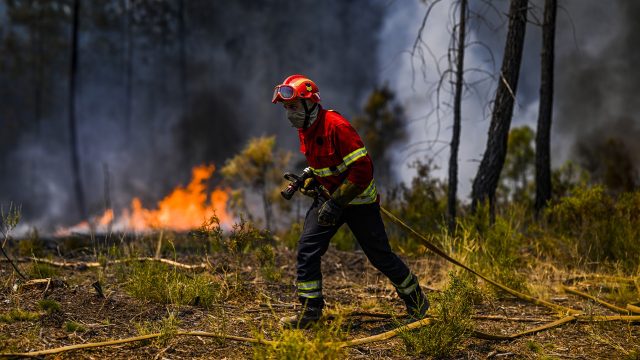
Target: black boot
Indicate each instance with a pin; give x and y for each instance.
(310, 314)
(415, 300)
(417, 304)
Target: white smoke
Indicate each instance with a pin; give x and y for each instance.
(415, 83)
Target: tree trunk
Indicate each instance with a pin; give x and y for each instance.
(486, 181)
(543, 134)
(128, 69)
(37, 54)
(457, 104)
(73, 134)
(183, 54)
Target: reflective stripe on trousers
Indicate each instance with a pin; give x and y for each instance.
(408, 285)
(310, 289)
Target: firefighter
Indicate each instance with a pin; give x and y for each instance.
(340, 163)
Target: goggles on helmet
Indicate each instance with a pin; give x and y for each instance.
(283, 92)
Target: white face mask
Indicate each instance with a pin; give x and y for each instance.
(296, 118)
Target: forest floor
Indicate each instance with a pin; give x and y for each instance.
(350, 282)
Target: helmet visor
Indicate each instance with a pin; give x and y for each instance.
(283, 92)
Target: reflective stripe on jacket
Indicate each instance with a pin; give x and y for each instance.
(335, 152)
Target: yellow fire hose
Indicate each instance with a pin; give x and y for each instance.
(569, 315)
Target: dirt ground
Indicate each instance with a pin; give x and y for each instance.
(349, 281)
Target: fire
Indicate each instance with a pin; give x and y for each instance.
(185, 208)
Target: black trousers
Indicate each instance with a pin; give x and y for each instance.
(366, 224)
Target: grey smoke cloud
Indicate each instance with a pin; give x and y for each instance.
(598, 88)
(595, 90)
(236, 52)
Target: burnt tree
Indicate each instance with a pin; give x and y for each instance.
(486, 180)
(457, 114)
(128, 62)
(543, 134)
(73, 133)
(182, 38)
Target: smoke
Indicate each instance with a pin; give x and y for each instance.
(595, 86)
(416, 78)
(597, 92)
(235, 53)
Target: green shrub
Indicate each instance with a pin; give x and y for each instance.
(210, 232)
(598, 225)
(497, 246)
(296, 344)
(243, 235)
(321, 342)
(452, 309)
(162, 283)
(291, 236)
(422, 206)
(267, 260)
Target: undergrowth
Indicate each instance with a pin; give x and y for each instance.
(41, 271)
(601, 227)
(320, 342)
(500, 247)
(162, 283)
(74, 327)
(452, 310)
(17, 314)
(49, 306)
(167, 327)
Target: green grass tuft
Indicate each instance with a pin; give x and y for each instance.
(534, 346)
(162, 283)
(167, 327)
(48, 305)
(42, 271)
(72, 326)
(15, 315)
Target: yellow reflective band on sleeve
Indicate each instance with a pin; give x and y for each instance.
(353, 156)
(368, 196)
(330, 171)
(342, 167)
(310, 285)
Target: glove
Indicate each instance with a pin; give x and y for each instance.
(309, 188)
(329, 213)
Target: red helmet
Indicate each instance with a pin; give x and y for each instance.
(296, 87)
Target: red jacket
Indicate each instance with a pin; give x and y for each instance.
(335, 152)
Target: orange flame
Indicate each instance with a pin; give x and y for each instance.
(184, 209)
